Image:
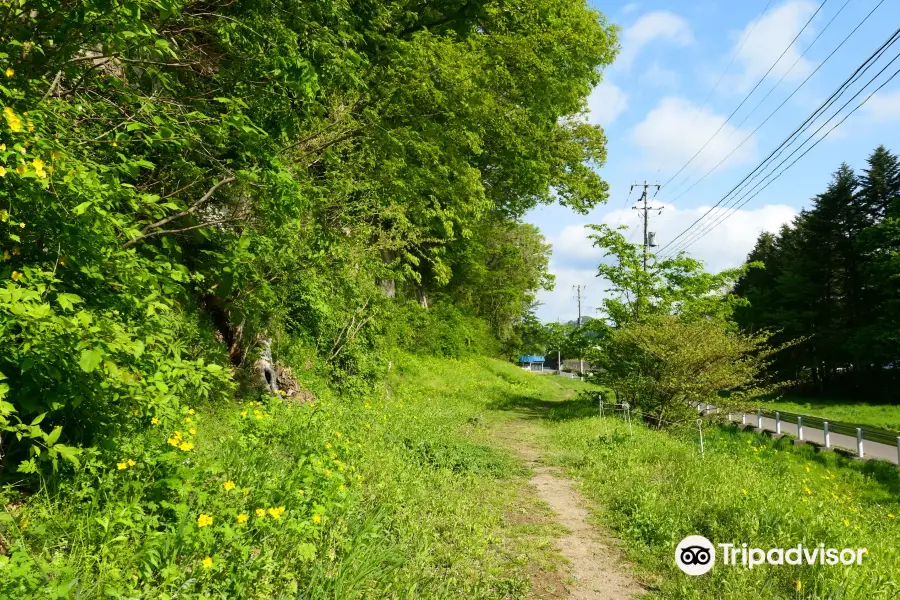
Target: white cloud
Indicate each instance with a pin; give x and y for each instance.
(657, 25)
(659, 76)
(606, 102)
(575, 259)
(761, 46)
(630, 8)
(674, 131)
(883, 106)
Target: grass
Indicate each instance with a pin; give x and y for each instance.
(395, 495)
(885, 416)
(412, 492)
(655, 488)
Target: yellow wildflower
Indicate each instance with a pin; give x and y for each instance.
(260, 512)
(207, 562)
(16, 276)
(21, 169)
(10, 72)
(2, 172)
(187, 419)
(327, 472)
(204, 520)
(274, 513)
(337, 434)
(745, 492)
(193, 431)
(301, 492)
(191, 411)
(186, 446)
(22, 225)
(14, 122)
(846, 523)
(154, 421)
(316, 519)
(122, 466)
(807, 490)
(131, 462)
(243, 413)
(891, 516)
(798, 586)
(242, 518)
(328, 446)
(228, 485)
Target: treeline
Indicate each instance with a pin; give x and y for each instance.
(182, 180)
(831, 280)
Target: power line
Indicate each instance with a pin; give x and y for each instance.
(785, 101)
(769, 179)
(747, 97)
(805, 125)
(622, 216)
(731, 62)
(780, 173)
(720, 217)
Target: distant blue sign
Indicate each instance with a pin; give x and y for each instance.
(531, 359)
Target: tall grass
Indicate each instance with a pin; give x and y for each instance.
(395, 494)
(654, 488)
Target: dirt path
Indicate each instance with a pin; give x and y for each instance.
(595, 561)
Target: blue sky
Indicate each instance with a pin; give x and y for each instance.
(651, 105)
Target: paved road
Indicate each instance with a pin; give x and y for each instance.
(813, 434)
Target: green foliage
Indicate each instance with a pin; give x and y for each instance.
(663, 363)
(265, 169)
(831, 278)
(442, 331)
(678, 285)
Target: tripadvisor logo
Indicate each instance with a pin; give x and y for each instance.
(696, 555)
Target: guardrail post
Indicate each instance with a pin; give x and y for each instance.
(859, 442)
(743, 419)
(898, 449)
(777, 422)
(758, 419)
(800, 428)
(827, 434)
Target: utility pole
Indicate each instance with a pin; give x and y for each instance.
(581, 359)
(578, 289)
(648, 237)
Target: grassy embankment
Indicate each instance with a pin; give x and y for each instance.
(654, 488)
(409, 494)
(387, 497)
(885, 416)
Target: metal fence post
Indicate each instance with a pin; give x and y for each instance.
(777, 423)
(800, 428)
(859, 442)
(898, 449)
(827, 435)
(743, 419)
(758, 419)
(700, 426)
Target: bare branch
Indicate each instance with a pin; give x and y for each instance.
(192, 209)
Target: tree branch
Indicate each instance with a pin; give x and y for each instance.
(192, 209)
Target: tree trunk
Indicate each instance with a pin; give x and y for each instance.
(388, 286)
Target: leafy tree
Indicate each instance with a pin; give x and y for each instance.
(662, 363)
(673, 286)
